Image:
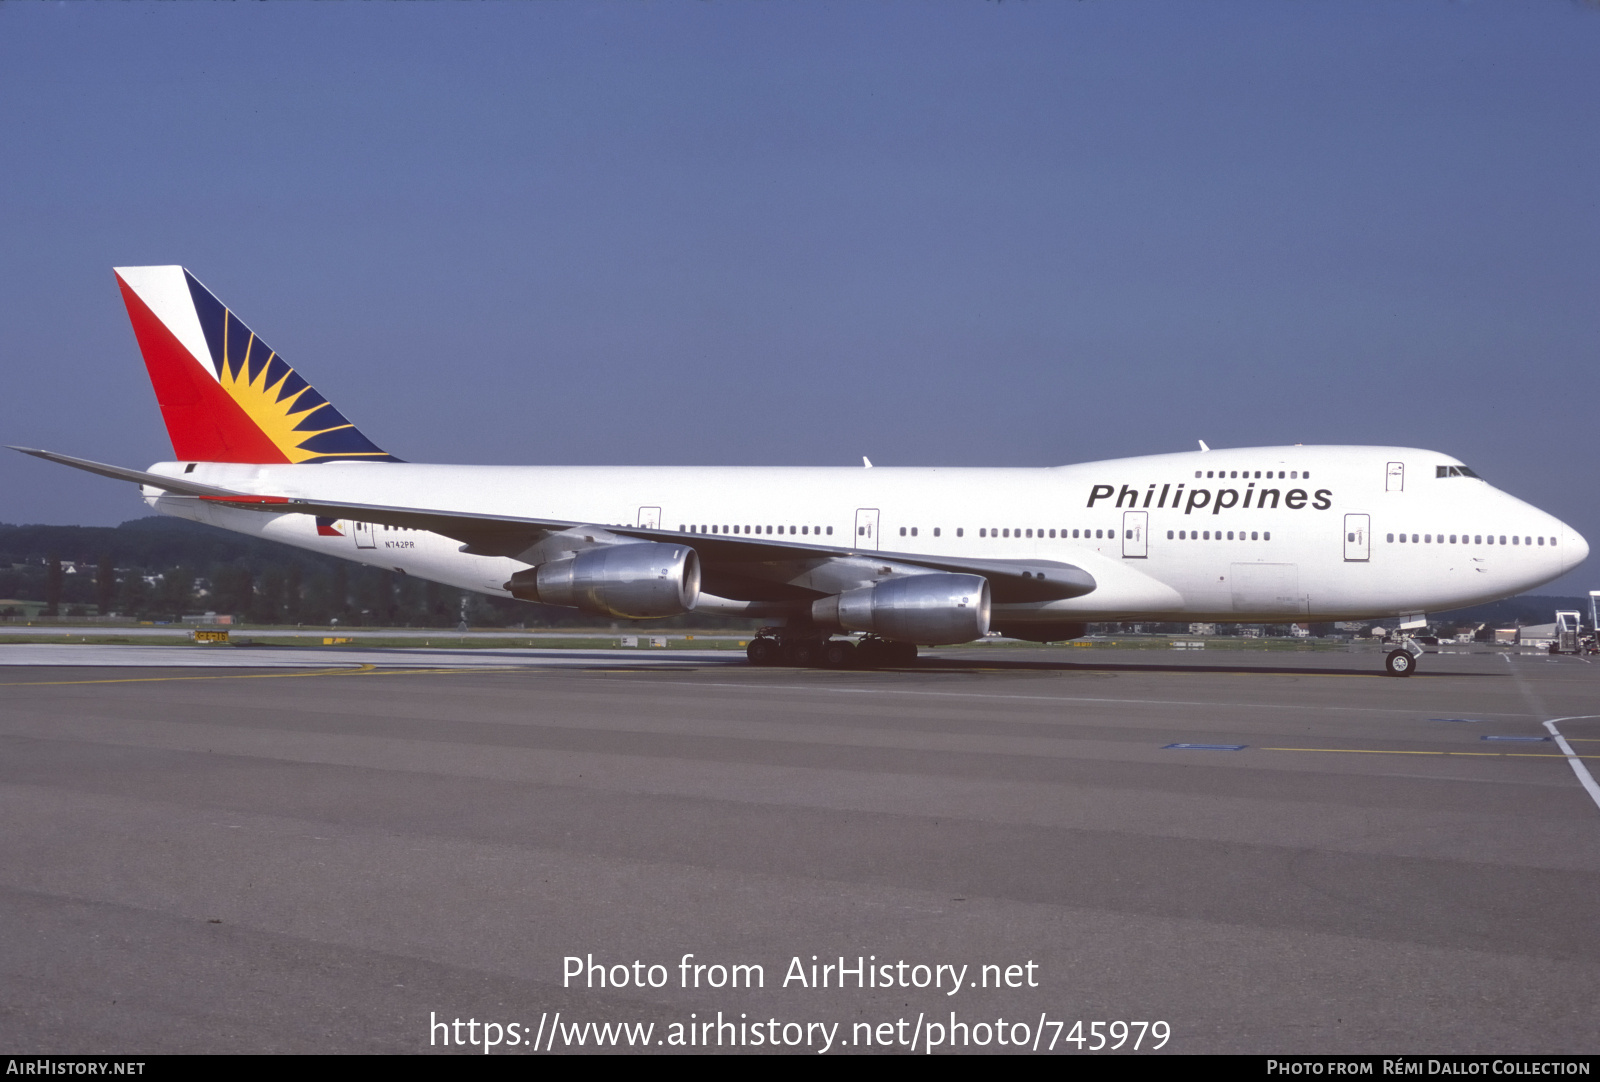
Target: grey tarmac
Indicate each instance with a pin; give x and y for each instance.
(256, 851)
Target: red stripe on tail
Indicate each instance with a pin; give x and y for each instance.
(203, 421)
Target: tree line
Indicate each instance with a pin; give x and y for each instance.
(164, 568)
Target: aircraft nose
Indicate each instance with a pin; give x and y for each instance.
(1575, 549)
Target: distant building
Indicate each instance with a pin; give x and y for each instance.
(1541, 635)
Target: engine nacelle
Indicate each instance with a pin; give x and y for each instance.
(637, 581)
(930, 609)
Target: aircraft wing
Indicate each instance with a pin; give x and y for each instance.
(730, 558)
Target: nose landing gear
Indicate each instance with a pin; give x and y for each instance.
(1403, 662)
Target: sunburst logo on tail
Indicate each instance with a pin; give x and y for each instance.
(302, 424)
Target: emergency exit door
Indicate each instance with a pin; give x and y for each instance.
(649, 518)
(867, 528)
(1134, 524)
(1357, 543)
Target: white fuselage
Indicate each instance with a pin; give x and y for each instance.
(1279, 533)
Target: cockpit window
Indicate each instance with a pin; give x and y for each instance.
(1453, 471)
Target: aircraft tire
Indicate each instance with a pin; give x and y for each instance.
(838, 654)
(1399, 663)
(901, 654)
(869, 655)
(802, 653)
(762, 652)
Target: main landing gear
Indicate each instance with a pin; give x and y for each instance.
(1402, 662)
(772, 647)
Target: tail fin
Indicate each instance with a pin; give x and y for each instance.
(225, 395)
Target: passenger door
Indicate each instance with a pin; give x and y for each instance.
(1395, 477)
(1134, 524)
(362, 531)
(866, 528)
(1357, 543)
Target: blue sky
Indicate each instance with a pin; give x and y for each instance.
(1013, 233)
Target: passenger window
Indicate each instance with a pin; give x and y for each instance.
(1477, 539)
(1267, 535)
(1074, 533)
(1230, 535)
(913, 531)
(902, 531)
(1541, 541)
(936, 531)
(1254, 536)
(961, 531)
(1169, 535)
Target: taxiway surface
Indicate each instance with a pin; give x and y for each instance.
(298, 858)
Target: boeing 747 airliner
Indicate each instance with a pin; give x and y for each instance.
(901, 556)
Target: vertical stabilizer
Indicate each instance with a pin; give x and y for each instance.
(225, 395)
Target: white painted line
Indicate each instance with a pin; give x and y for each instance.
(1585, 778)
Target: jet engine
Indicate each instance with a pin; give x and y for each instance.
(929, 609)
(637, 581)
